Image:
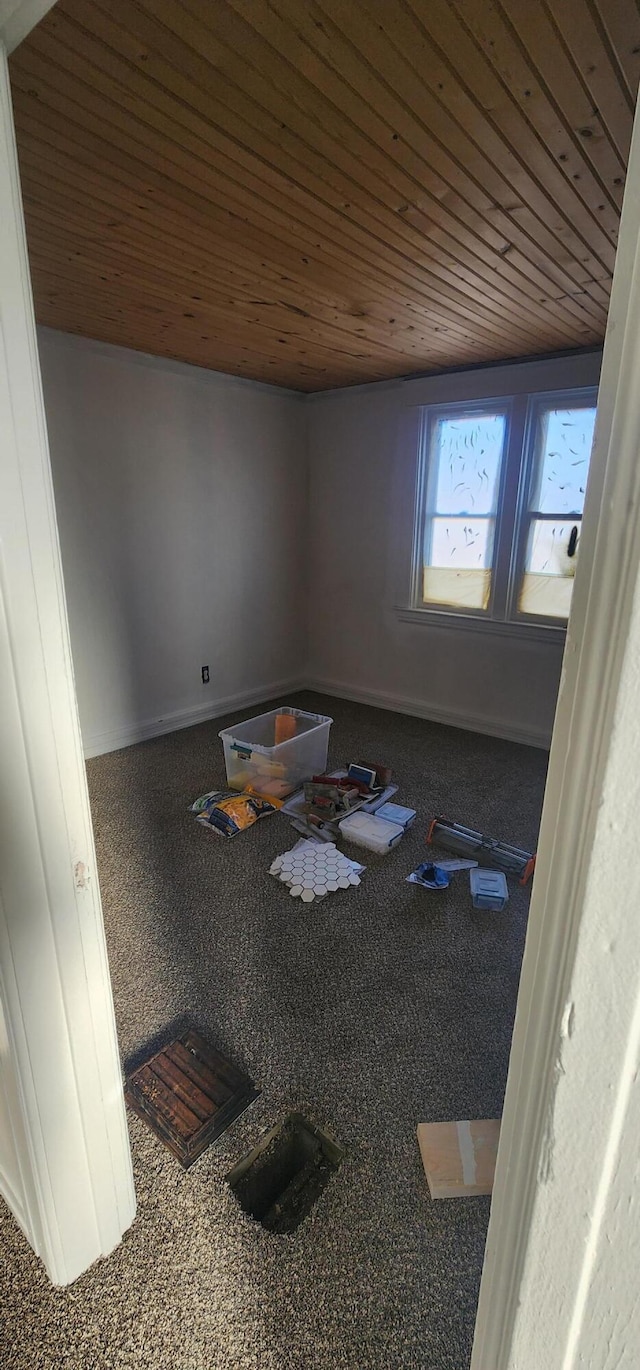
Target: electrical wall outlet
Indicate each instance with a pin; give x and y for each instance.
(205, 675)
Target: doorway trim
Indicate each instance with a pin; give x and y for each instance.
(65, 1163)
(580, 833)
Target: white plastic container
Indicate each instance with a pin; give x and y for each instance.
(254, 757)
(367, 830)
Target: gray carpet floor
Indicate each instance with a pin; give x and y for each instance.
(378, 1008)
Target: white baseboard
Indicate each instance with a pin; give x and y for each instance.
(111, 741)
(401, 704)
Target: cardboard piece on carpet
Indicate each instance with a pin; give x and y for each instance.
(188, 1093)
(459, 1159)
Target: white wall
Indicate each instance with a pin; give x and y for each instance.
(181, 503)
(363, 453)
(196, 509)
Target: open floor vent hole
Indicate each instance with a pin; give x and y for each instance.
(280, 1180)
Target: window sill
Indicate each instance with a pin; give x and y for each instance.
(532, 632)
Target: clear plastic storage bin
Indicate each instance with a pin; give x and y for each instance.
(367, 830)
(275, 752)
(488, 889)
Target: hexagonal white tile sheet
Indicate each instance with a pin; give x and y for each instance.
(314, 869)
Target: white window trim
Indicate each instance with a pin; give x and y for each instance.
(578, 397)
(500, 405)
(471, 623)
(502, 617)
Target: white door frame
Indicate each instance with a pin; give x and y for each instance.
(556, 1283)
(65, 1165)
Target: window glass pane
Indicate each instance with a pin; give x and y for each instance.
(566, 438)
(461, 542)
(463, 483)
(458, 571)
(465, 456)
(548, 551)
(549, 570)
(546, 596)
(563, 442)
(457, 588)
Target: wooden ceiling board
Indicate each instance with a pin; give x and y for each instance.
(414, 281)
(285, 253)
(319, 193)
(613, 18)
(435, 190)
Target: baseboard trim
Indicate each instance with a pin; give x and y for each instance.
(111, 741)
(418, 708)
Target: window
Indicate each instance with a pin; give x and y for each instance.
(500, 498)
(562, 440)
(461, 504)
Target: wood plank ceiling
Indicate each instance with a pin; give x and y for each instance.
(323, 192)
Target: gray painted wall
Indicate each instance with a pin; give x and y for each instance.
(207, 520)
(363, 455)
(181, 504)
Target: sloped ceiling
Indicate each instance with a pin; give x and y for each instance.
(320, 194)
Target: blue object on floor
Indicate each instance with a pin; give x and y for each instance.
(488, 889)
(430, 876)
(396, 813)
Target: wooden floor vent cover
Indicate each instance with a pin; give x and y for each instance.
(188, 1093)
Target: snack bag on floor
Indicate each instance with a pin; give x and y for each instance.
(229, 813)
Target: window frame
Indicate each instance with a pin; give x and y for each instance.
(430, 416)
(583, 397)
(502, 616)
